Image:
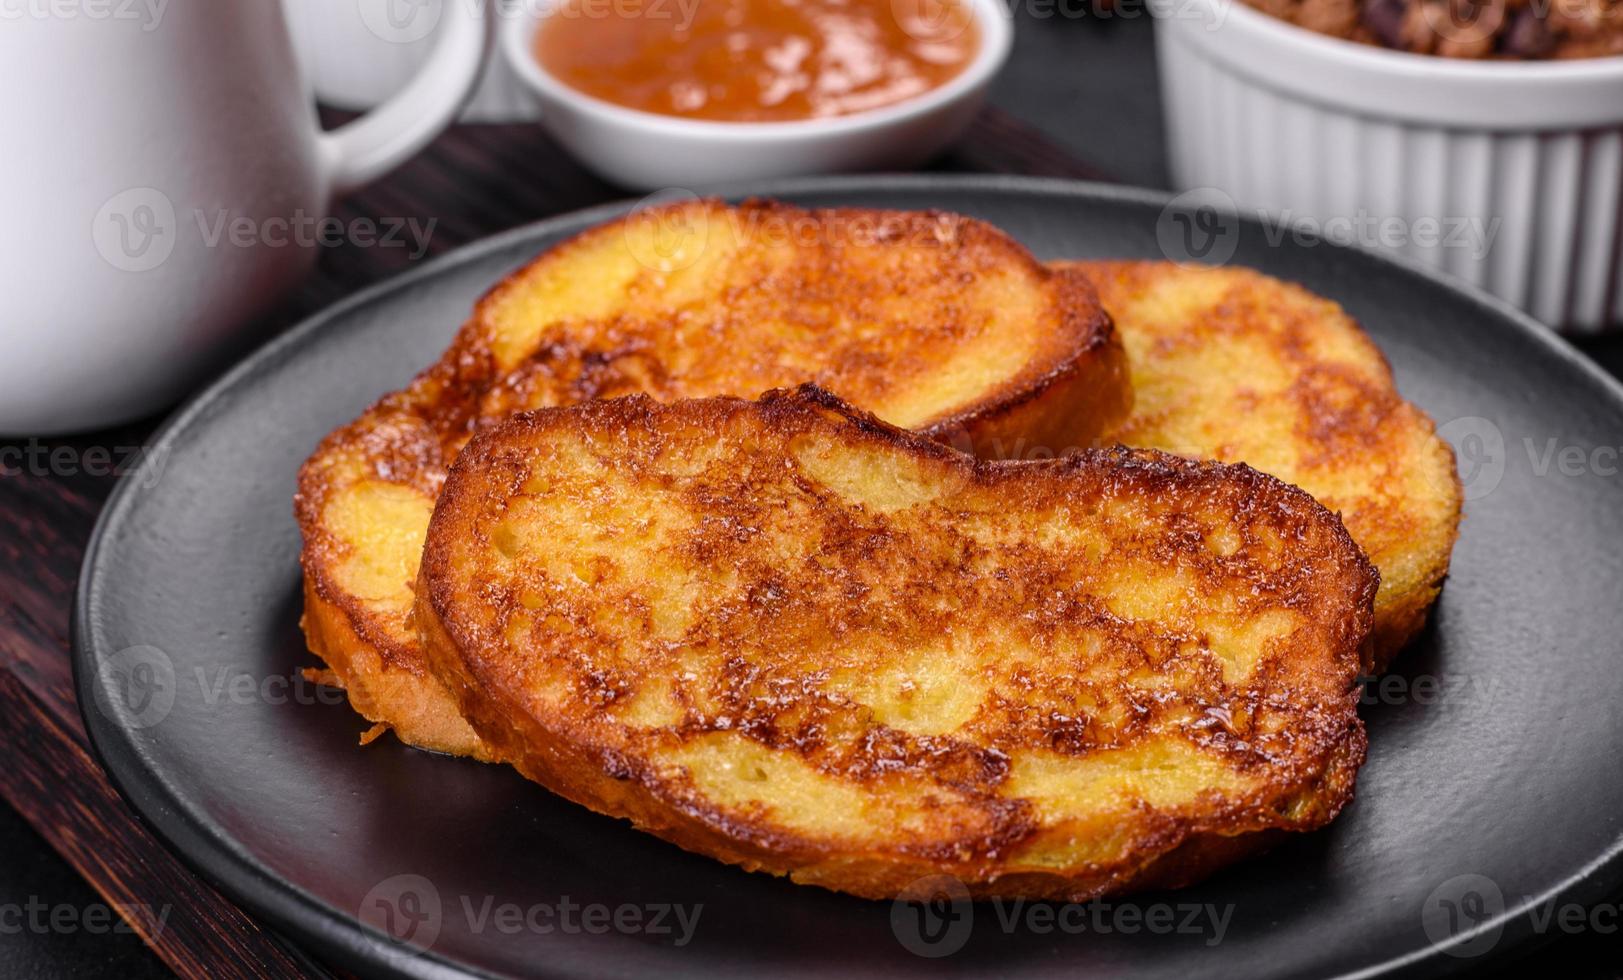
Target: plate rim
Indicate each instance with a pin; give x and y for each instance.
(282, 904)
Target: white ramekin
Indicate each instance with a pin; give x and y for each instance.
(647, 151)
(357, 53)
(1508, 175)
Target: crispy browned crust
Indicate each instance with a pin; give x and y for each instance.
(1043, 415)
(563, 657)
(846, 262)
(1233, 365)
(421, 714)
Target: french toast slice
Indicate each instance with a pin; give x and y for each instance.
(789, 636)
(1233, 365)
(934, 321)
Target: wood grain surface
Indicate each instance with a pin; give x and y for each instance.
(472, 182)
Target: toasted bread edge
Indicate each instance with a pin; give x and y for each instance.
(1070, 404)
(1399, 616)
(1075, 390)
(600, 779)
(416, 706)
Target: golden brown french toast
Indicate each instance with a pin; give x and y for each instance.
(1233, 365)
(789, 636)
(934, 321)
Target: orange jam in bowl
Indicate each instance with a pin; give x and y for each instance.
(757, 60)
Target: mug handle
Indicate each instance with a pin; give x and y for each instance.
(359, 152)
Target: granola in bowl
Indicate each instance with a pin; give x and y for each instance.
(1503, 29)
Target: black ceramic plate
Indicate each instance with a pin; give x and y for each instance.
(1491, 798)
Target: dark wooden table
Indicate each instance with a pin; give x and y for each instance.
(474, 181)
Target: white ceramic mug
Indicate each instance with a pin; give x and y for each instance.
(164, 181)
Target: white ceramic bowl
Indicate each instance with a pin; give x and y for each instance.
(646, 151)
(1507, 174)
